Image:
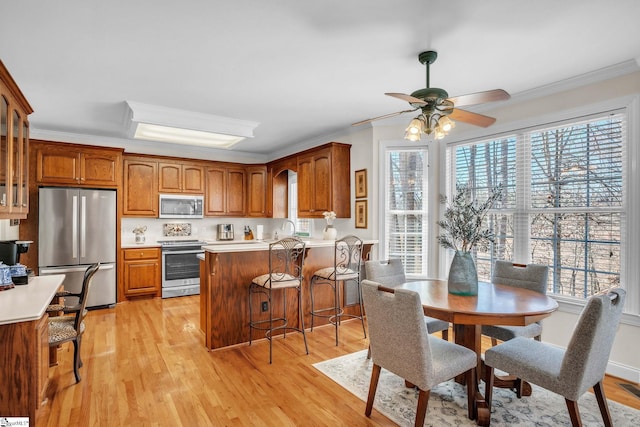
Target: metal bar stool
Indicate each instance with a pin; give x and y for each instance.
(286, 258)
(346, 267)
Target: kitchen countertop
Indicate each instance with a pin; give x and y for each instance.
(261, 245)
(25, 303)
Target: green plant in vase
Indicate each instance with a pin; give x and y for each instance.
(464, 229)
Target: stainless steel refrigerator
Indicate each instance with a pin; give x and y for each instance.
(77, 227)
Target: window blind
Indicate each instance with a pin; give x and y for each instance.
(405, 207)
(564, 203)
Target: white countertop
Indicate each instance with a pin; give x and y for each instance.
(28, 302)
(257, 245)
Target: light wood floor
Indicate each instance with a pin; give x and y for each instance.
(145, 365)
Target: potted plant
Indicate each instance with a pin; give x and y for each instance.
(463, 229)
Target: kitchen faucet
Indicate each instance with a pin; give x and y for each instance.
(293, 224)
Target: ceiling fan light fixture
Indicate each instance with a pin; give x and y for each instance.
(415, 127)
(446, 124)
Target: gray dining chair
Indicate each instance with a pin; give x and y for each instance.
(391, 273)
(400, 344)
(532, 277)
(569, 372)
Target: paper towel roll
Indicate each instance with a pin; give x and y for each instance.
(259, 232)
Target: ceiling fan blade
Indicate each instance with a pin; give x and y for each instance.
(471, 118)
(410, 99)
(383, 117)
(480, 97)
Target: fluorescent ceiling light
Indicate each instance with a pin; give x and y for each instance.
(155, 123)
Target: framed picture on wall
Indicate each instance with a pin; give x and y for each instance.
(361, 214)
(361, 183)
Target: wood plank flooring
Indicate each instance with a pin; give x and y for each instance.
(145, 364)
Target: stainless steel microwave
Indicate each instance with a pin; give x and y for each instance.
(181, 206)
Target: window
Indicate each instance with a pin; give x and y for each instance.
(405, 207)
(564, 199)
(302, 224)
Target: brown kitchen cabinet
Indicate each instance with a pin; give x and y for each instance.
(141, 272)
(14, 148)
(257, 191)
(324, 181)
(177, 177)
(140, 192)
(225, 191)
(68, 164)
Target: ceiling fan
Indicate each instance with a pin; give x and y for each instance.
(438, 109)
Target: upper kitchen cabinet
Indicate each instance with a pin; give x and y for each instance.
(180, 177)
(225, 190)
(324, 181)
(257, 191)
(71, 164)
(278, 177)
(140, 195)
(14, 146)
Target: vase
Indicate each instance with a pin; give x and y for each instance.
(140, 238)
(463, 277)
(329, 233)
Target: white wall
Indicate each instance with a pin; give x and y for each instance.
(8, 231)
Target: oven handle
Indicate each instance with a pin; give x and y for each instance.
(188, 251)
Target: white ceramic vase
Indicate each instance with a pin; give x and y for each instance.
(329, 233)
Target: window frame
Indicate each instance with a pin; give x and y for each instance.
(429, 263)
(630, 239)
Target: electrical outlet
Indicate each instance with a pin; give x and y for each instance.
(265, 306)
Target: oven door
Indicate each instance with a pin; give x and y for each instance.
(180, 267)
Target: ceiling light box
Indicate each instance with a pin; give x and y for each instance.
(163, 124)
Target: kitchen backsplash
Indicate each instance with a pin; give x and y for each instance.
(174, 230)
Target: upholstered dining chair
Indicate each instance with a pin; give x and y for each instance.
(532, 277)
(347, 265)
(569, 372)
(286, 260)
(401, 345)
(391, 273)
(61, 296)
(64, 329)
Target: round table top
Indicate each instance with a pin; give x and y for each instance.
(494, 305)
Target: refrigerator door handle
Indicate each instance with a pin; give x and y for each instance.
(83, 226)
(74, 227)
(45, 271)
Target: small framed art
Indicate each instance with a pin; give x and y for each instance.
(361, 183)
(361, 214)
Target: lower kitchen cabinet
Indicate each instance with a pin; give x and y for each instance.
(141, 272)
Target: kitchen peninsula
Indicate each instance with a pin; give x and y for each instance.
(228, 269)
(24, 356)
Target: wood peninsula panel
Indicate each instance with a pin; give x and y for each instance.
(24, 371)
(225, 286)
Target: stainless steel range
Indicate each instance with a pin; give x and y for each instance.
(180, 267)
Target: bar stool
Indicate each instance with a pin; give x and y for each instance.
(346, 267)
(286, 259)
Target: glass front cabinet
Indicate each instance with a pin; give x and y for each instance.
(14, 148)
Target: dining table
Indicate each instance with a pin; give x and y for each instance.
(495, 304)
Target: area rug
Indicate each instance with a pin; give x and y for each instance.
(448, 401)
